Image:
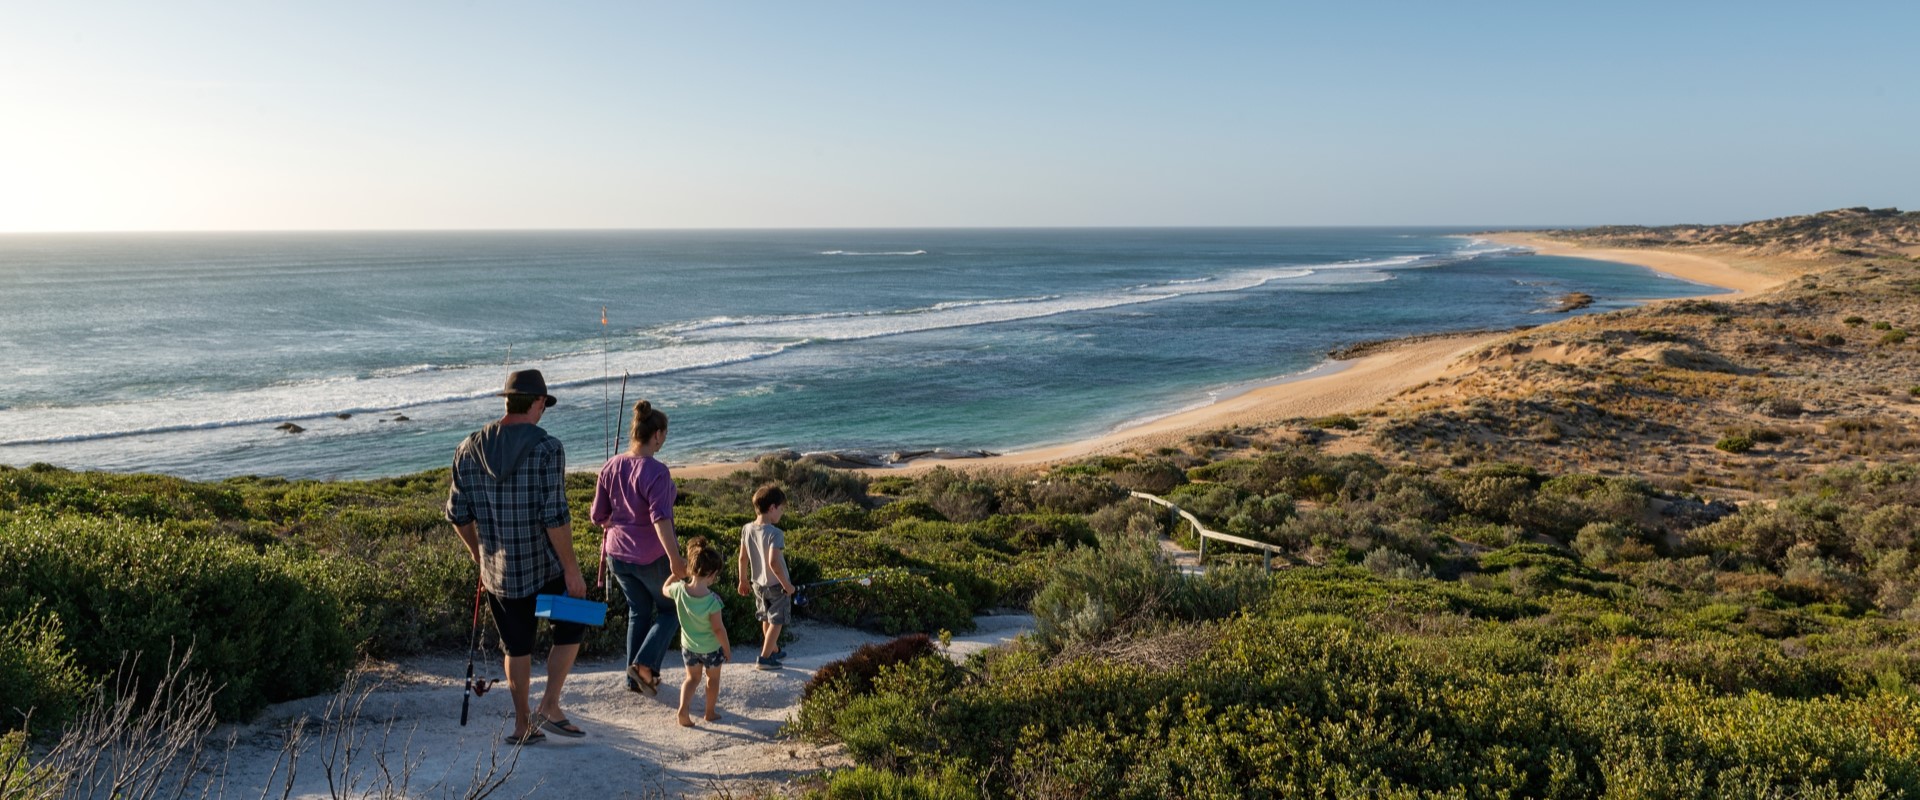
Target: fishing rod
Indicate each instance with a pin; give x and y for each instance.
(606, 377)
(620, 412)
(475, 687)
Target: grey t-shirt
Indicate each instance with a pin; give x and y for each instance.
(758, 539)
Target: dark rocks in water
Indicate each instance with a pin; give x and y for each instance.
(288, 427)
(846, 460)
(903, 456)
(945, 453)
(778, 455)
(1574, 301)
(343, 416)
(400, 418)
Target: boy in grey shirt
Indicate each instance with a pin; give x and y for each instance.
(763, 559)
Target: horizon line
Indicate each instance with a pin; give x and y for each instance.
(130, 231)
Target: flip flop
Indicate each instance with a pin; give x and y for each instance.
(561, 727)
(634, 683)
(533, 736)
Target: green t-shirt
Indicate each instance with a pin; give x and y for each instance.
(696, 630)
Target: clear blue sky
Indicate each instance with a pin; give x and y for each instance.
(351, 115)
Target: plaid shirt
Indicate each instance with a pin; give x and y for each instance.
(516, 557)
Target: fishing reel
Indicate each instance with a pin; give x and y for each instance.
(479, 686)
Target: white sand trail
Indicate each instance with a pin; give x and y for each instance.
(634, 746)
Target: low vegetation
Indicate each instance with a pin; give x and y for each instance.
(1672, 551)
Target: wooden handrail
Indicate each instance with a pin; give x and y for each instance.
(1265, 547)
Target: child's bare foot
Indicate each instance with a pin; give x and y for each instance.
(686, 721)
(712, 716)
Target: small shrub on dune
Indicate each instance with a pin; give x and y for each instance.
(811, 486)
(905, 509)
(865, 783)
(1389, 563)
(1734, 444)
(1073, 494)
(1153, 476)
(38, 676)
(1098, 592)
(856, 672)
(847, 516)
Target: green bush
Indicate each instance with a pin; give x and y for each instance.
(38, 676)
(864, 783)
(1343, 422)
(257, 625)
(1734, 444)
(1342, 685)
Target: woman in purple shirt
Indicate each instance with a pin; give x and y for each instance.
(633, 503)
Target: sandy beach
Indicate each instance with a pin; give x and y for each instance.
(1342, 387)
(1744, 276)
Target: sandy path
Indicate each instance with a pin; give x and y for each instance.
(634, 746)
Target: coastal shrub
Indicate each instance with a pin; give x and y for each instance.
(856, 672)
(1410, 688)
(1028, 532)
(1343, 422)
(1153, 476)
(258, 626)
(1600, 543)
(1782, 407)
(1493, 497)
(1734, 444)
(1883, 326)
(809, 486)
(912, 508)
(39, 680)
(896, 601)
(866, 783)
(1855, 320)
(1098, 592)
(840, 515)
(1073, 494)
(1894, 336)
(1387, 562)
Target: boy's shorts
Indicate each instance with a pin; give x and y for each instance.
(692, 659)
(772, 604)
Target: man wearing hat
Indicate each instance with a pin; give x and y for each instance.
(509, 505)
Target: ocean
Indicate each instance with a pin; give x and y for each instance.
(182, 353)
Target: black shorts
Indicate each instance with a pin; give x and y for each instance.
(513, 618)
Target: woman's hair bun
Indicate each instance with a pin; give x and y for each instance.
(642, 408)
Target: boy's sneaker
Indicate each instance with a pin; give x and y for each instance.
(780, 654)
(766, 663)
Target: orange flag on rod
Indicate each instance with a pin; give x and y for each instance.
(603, 315)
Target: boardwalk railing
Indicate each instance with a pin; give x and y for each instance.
(1176, 513)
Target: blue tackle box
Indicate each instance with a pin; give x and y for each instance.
(561, 608)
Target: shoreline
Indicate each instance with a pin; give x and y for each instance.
(1691, 267)
(1335, 386)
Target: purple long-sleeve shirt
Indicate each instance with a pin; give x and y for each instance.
(634, 492)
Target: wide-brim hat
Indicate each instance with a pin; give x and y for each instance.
(528, 383)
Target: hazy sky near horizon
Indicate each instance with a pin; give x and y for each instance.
(454, 115)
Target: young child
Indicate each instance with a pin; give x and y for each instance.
(703, 635)
(763, 559)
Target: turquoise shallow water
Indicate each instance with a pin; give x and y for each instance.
(179, 353)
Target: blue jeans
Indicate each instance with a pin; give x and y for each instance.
(651, 621)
